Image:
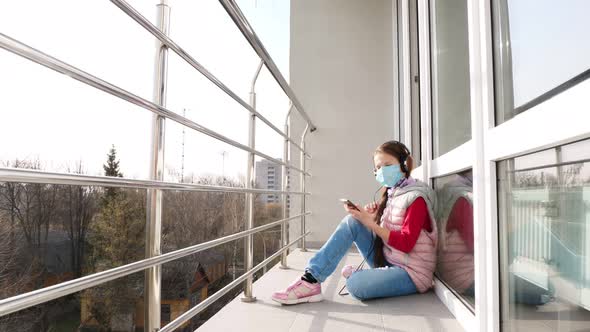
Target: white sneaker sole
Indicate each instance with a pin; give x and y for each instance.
(313, 298)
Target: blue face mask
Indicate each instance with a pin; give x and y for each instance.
(389, 176)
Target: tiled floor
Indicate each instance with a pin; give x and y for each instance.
(422, 312)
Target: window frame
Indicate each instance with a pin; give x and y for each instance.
(490, 143)
(503, 73)
(453, 161)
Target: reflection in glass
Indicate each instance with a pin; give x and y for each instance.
(528, 65)
(544, 215)
(455, 223)
(451, 113)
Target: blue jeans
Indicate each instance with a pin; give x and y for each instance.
(364, 284)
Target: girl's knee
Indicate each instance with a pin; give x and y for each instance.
(351, 222)
(348, 218)
(355, 286)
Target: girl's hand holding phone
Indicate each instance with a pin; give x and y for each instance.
(364, 215)
(372, 207)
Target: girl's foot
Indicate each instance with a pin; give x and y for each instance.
(300, 291)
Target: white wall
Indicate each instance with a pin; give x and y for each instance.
(341, 68)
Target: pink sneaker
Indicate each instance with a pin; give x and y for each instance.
(299, 291)
(347, 271)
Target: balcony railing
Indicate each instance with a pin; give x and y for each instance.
(156, 185)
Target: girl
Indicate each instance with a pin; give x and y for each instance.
(397, 237)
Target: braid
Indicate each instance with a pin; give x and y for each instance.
(378, 257)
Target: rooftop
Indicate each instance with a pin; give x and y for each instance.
(423, 312)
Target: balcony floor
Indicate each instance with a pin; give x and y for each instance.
(422, 312)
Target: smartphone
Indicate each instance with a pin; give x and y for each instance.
(349, 203)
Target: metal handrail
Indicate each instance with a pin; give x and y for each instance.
(253, 84)
(156, 259)
(240, 20)
(27, 300)
(25, 51)
(144, 22)
(37, 176)
(205, 303)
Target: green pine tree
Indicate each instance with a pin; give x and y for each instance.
(111, 168)
(117, 238)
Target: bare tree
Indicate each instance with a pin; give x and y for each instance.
(9, 195)
(26, 211)
(77, 207)
(15, 277)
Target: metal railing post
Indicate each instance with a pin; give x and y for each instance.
(302, 165)
(250, 179)
(233, 10)
(153, 275)
(284, 186)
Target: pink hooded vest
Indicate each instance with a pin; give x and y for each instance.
(420, 263)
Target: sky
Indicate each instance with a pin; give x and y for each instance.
(49, 116)
(549, 44)
(549, 48)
